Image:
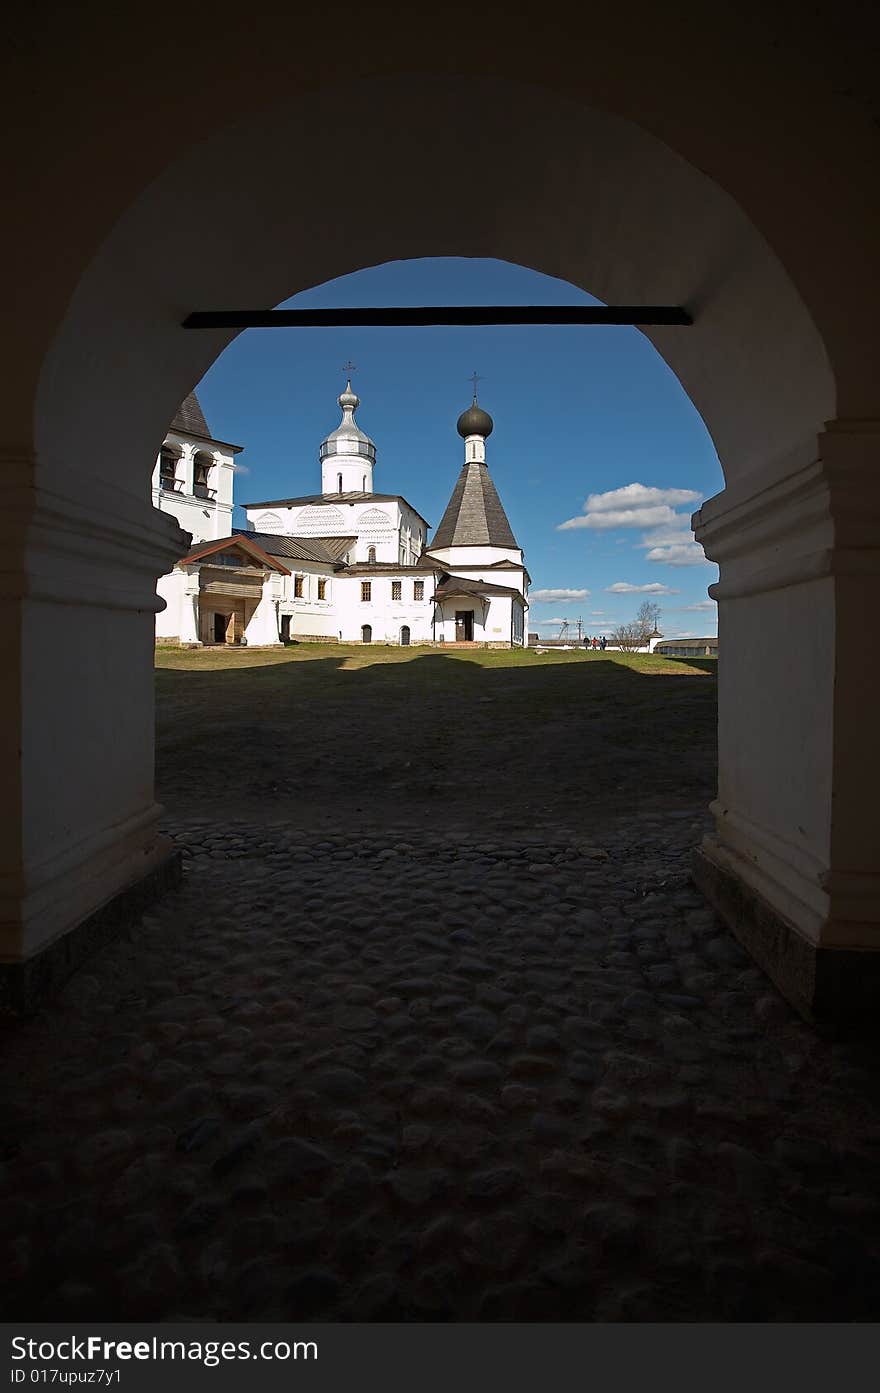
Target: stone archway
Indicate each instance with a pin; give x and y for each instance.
(587, 186)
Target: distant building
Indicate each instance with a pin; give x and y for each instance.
(688, 648)
(345, 564)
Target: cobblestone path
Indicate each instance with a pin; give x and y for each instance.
(382, 1078)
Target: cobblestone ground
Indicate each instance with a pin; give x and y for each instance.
(431, 1079)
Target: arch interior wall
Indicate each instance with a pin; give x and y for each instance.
(629, 187)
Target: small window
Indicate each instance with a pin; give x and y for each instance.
(366, 590)
(364, 484)
(322, 588)
(338, 483)
(418, 589)
(371, 554)
(298, 587)
(396, 589)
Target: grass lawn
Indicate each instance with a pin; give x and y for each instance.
(317, 733)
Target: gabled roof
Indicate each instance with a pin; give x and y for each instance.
(495, 566)
(330, 498)
(205, 550)
(474, 516)
(450, 586)
(325, 550)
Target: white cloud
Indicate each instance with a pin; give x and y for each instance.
(674, 545)
(679, 554)
(620, 517)
(633, 505)
(701, 604)
(597, 614)
(545, 597)
(638, 496)
(240, 469)
(623, 587)
(679, 530)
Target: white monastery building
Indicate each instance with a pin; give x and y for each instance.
(343, 565)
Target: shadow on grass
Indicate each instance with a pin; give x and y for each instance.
(709, 665)
(435, 733)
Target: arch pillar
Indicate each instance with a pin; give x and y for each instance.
(794, 862)
(78, 601)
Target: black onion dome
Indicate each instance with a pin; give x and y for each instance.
(475, 421)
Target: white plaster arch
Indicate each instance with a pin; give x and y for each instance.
(699, 167)
(563, 188)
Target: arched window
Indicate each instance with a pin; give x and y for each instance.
(364, 484)
(366, 633)
(404, 636)
(201, 467)
(371, 553)
(338, 483)
(167, 470)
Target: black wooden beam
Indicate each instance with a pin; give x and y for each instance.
(437, 314)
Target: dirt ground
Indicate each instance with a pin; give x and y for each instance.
(323, 736)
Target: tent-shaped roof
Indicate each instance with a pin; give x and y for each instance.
(189, 418)
(474, 516)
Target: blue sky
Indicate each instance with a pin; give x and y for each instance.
(580, 414)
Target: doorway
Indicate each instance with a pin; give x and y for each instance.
(285, 628)
(367, 633)
(464, 626)
(221, 625)
(404, 636)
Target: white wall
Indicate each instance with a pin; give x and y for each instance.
(395, 530)
(206, 519)
(492, 617)
(460, 559)
(356, 471)
(170, 590)
(310, 616)
(516, 580)
(384, 615)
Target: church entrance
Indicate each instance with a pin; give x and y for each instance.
(404, 636)
(464, 626)
(367, 633)
(285, 628)
(221, 625)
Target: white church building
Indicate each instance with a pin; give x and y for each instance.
(344, 565)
